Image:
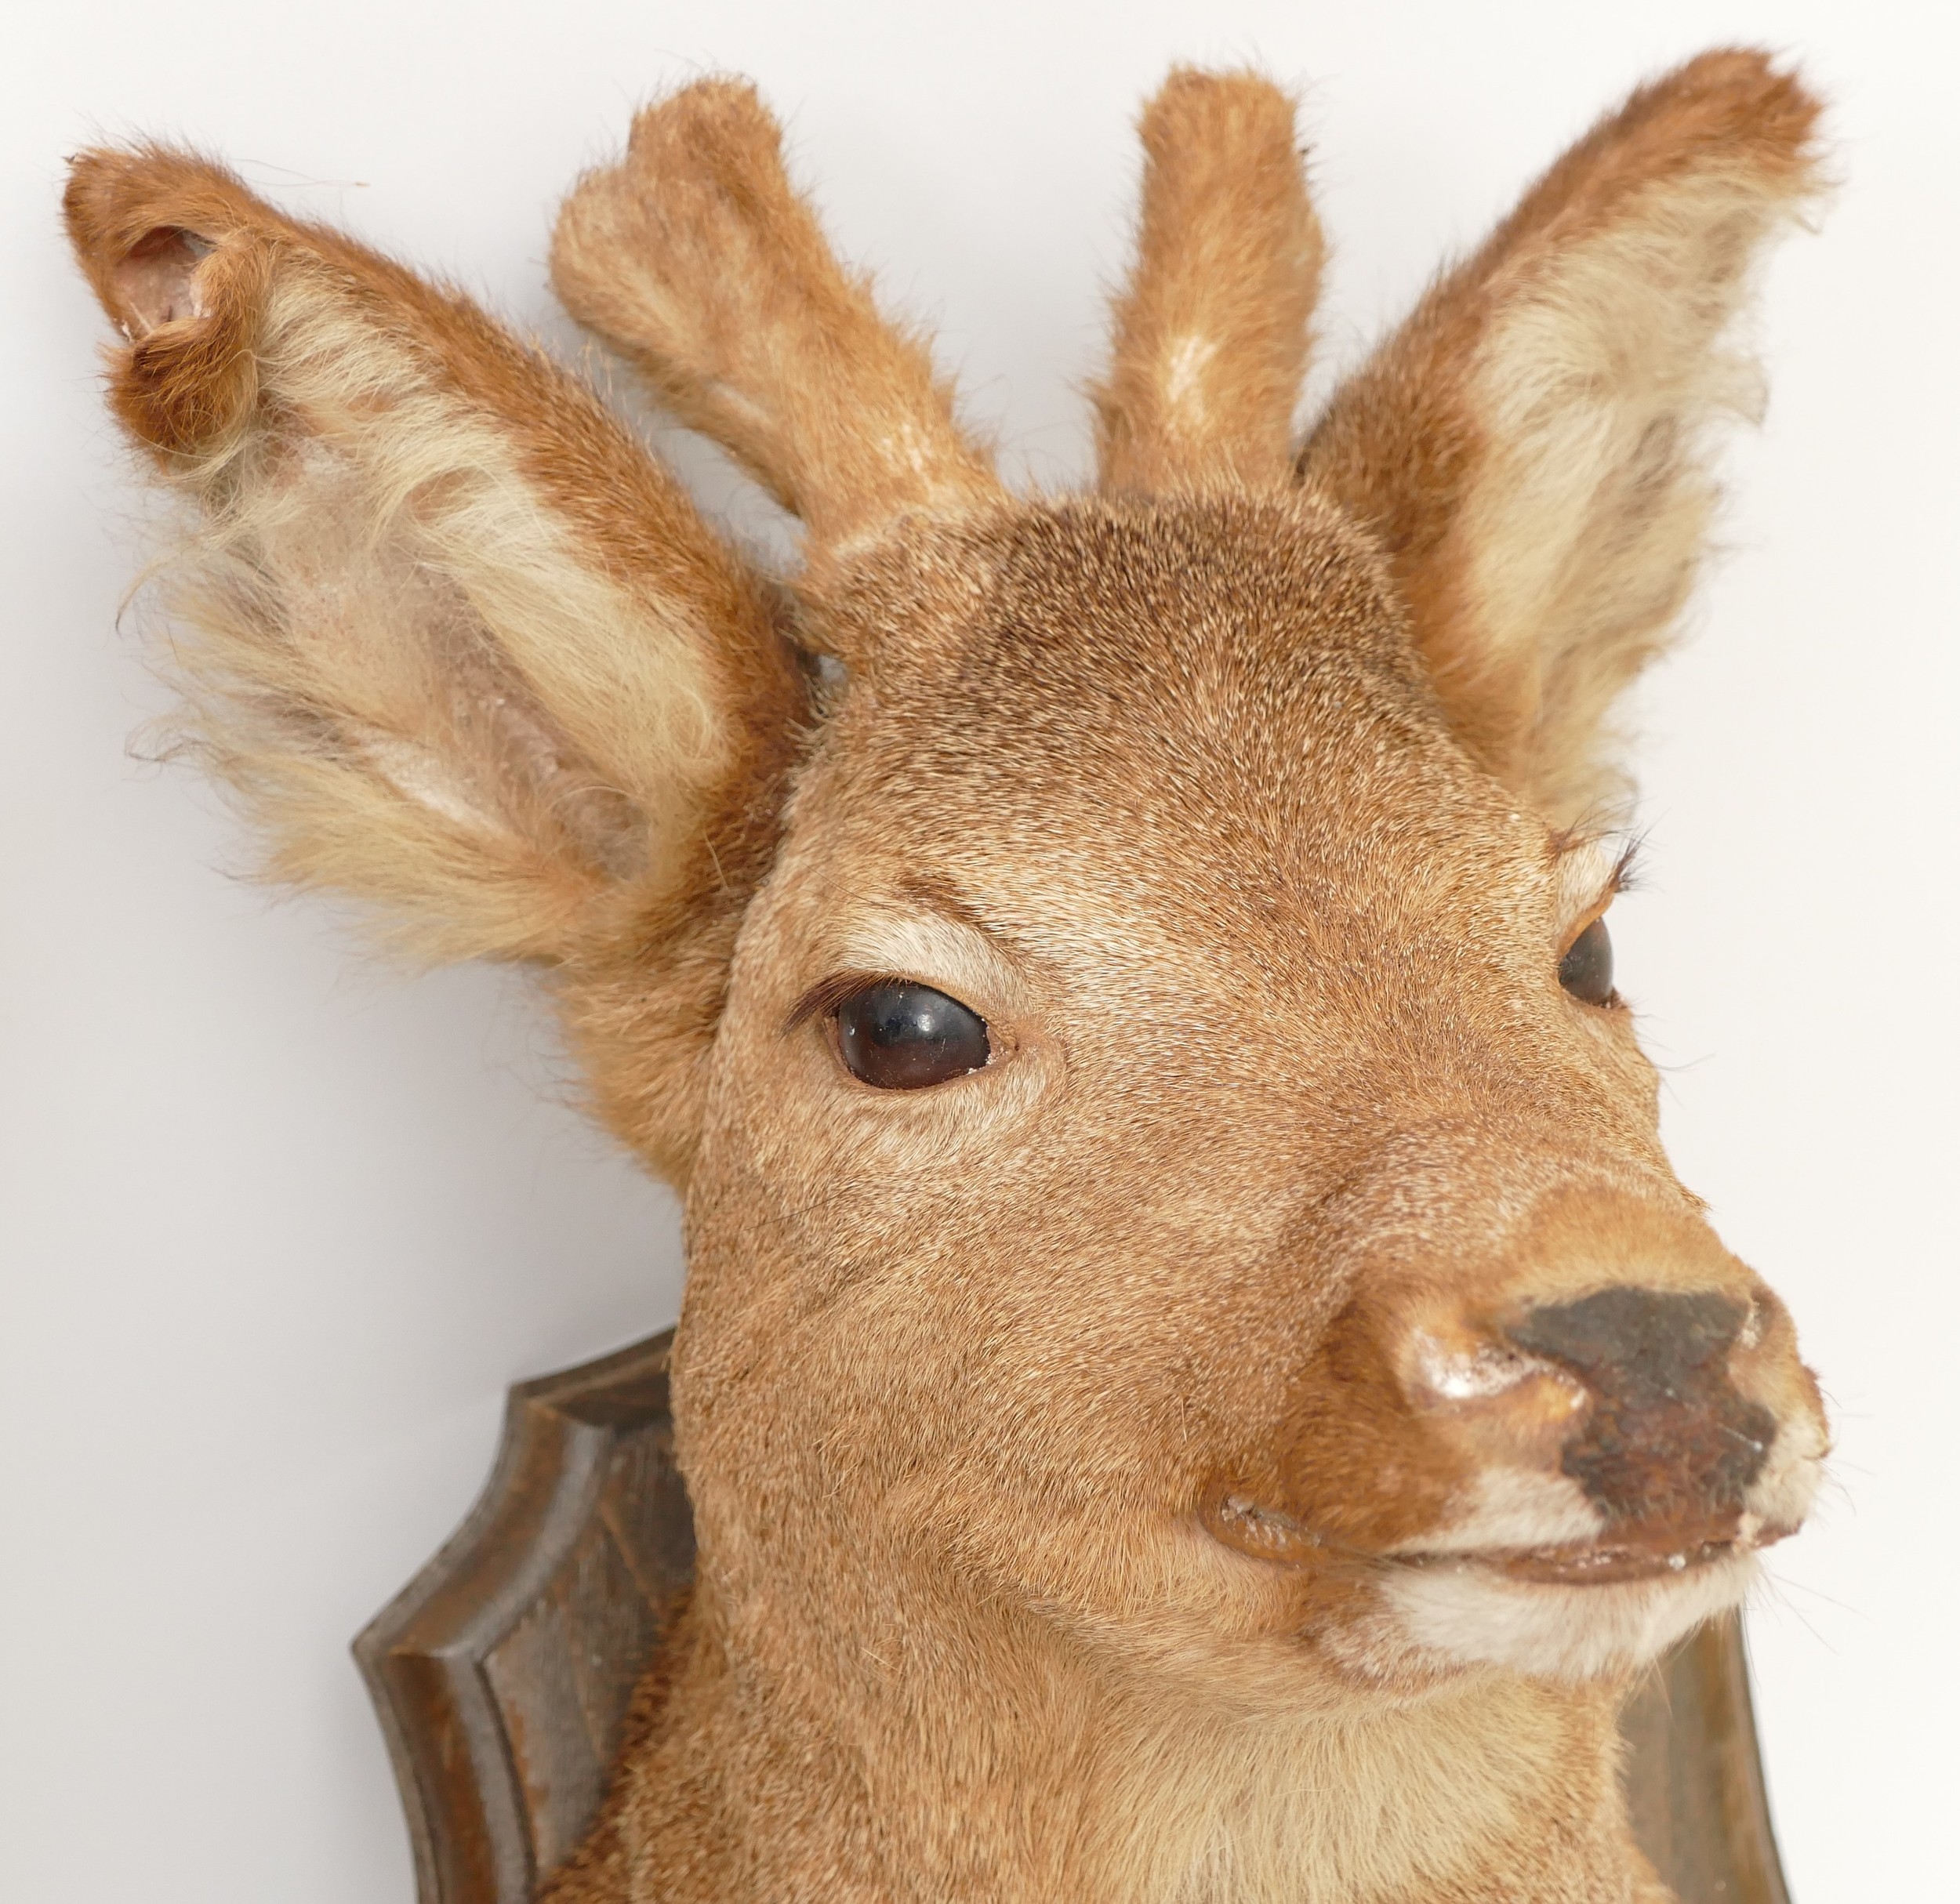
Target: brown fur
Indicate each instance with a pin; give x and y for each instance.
(1211, 334)
(462, 648)
(1232, 1445)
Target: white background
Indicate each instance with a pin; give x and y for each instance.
(279, 1225)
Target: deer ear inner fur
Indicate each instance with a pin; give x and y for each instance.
(1533, 447)
(463, 650)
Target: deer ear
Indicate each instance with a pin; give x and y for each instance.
(464, 651)
(1533, 447)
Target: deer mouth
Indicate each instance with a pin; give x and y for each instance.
(1606, 1562)
(1592, 1565)
(1631, 1554)
(1571, 1611)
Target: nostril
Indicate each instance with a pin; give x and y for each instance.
(1514, 1407)
(1467, 1367)
(1755, 1325)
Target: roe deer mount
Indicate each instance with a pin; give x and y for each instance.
(1197, 1381)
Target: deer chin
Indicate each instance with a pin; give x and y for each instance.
(1563, 1613)
(1533, 1578)
(1526, 1575)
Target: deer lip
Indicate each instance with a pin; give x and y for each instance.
(1609, 1566)
(1644, 1551)
(1603, 1563)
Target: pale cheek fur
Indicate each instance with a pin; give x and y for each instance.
(1513, 1508)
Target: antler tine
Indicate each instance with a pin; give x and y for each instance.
(697, 259)
(1211, 339)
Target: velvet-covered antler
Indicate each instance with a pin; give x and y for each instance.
(1211, 334)
(696, 258)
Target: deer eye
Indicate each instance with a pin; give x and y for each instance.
(1586, 970)
(901, 1037)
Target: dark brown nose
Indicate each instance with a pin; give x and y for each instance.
(1668, 1440)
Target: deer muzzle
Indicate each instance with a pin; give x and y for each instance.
(1535, 1419)
(1630, 1430)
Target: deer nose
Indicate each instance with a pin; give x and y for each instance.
(1629, 1392)
(1664, 1438)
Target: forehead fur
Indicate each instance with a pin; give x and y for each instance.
(1229, 669)
(1120, 587)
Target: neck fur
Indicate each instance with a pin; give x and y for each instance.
(1023, 1770)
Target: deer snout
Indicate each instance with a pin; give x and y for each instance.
(1626, 1429)
(1667, 1438)
(1558, 1455)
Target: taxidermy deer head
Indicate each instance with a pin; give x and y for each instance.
(1197, 1380)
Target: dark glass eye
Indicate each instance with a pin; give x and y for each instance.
(901, 1037)
(1586, 970)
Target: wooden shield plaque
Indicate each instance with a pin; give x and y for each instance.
(502, 1671)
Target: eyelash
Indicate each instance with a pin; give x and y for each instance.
(825, 996)
(1624, 876)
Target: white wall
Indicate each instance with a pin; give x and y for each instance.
(280, 1226)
